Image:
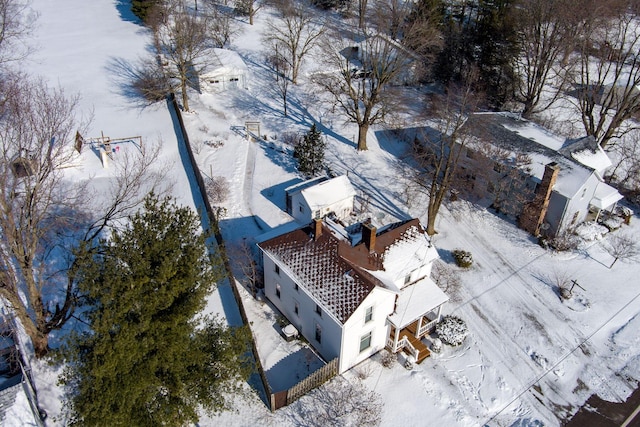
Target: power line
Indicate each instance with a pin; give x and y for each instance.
(545, 373)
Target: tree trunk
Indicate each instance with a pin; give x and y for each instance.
(185, 99)
(362, 136)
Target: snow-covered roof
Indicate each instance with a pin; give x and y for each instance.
(410, 251)
(340, 274)
(225, 61)
(415, 300)
(519, 136)
(327, 192)
(605, 196)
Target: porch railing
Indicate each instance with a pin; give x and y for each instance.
(427, 327)
(399, 345)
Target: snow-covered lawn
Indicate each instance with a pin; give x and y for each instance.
(529, 358)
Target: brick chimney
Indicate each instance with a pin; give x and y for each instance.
(369, 236)
(534, 212)
(317, 228)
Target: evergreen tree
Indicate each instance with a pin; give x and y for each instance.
(310, 152)
(148, 360)
(141, 8)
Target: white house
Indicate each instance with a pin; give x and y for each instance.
(319, 197)
(352, 292)
(227, 71)
(547, 182)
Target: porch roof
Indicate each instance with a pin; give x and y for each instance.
(415, 300)
(605, 196)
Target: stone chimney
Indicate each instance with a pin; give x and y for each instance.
(534, 212)
(369, 235)
(317, 228)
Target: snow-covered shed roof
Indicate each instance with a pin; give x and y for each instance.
(519, 136)
(328, 192)
(340, 274)
(225, 61)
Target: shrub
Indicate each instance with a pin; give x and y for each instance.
(387, 358)
(463, 259)
(436, 345)
(452, 330)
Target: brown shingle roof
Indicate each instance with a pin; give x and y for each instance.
(331, 269)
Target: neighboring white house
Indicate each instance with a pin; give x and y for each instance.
(354, 291)
(319, 197)
(548, 183)
(227, 71)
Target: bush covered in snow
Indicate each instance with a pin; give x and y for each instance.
(452, 330)
(436, 345)
(463, 259)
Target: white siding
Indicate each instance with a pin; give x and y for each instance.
(382, 301)
(307, 318)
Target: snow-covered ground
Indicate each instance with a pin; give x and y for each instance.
(529, 359)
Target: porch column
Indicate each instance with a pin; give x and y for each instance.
(439, 311)
(395, 338)
(419, 326)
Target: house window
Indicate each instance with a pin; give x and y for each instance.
(318, 310)
(296, 308)
(318, 333)
(490, 187)
(365, 342)
(277, 269)
(584, 191)
(407, 279)
(317, 215)
(296, 287)
(301, 208)
(278, 290)
(368, 315)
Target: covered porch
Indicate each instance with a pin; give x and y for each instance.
(418, 309)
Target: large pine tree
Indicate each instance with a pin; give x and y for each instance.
(310, 152)
(147, 359)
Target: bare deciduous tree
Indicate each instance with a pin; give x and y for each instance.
(222, 26)
(608, 74)
(294, 34)
(183, 38)
(245, 258)
(16, 21)
(43, 217)
(339, 403)
(546, 37)
(438, 149)
(361, 84)
(248, 8)
(218, 189)
(622, 246)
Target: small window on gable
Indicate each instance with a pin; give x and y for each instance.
(318, 333)
(368, 315)
(278, 289)
(277, 269)
(296, 287)
(301, 208)
(318, 310)
(584, 191)
(365, 342)
(296, 308)
(407, 279)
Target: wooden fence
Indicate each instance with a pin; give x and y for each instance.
(275, 400)
(213, 222)
(316, 379)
